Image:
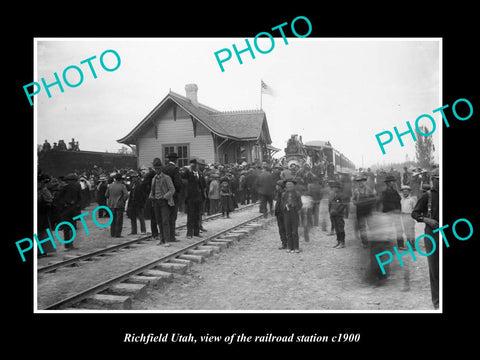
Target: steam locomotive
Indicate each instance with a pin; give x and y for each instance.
(324, 160)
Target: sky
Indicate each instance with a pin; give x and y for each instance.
(342, 90)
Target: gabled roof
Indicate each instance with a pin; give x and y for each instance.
(236, 125)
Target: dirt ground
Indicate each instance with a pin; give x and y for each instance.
(53, 287)
(253, 274)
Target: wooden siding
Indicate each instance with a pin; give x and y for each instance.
(170, 131)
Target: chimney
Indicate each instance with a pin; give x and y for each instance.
(191, 93)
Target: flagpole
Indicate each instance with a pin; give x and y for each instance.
(261, 94)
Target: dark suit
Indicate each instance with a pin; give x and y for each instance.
(68, 201)
(195, 195)
(172, 170)
(419, 212)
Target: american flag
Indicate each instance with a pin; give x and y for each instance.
(266, 89)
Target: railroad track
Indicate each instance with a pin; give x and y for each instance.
(118, 292)
(113, 248)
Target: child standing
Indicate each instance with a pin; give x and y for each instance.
(226, 197)
(407, 204)
(213, 194)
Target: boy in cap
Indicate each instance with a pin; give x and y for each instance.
(407, 204)
(290, 205)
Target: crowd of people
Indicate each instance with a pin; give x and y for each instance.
(60, 145)
(297, 196)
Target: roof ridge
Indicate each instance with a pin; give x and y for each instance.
(203, 106)
(241, 111)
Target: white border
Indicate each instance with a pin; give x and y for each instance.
(440, 161)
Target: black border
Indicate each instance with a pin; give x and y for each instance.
(104, 332)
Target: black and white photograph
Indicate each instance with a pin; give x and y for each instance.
(227, 182)
(171, 185)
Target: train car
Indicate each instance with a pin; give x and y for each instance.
(321, 156)
(58, 163)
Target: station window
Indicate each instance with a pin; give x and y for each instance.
(182, 151)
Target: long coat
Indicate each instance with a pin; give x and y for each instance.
(138, 196)
(195, 187)
(265, 183)
(174, 173)
(68, 201)
(116, 195)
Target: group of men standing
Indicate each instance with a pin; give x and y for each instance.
(156, 196)
(380, 218)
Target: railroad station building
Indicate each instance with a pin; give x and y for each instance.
(183, 125)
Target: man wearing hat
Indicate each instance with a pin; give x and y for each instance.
(171, 169)
(390, 203)
(265, 186)
(291, 204)
(101, 199)
(427, 210)
(364, 201)
(117, 196)
(68, 202)
(161, 192)
(279, 188)
(195, 195)
(136, 203)
(336, 208)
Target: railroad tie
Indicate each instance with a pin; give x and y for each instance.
(200, 252)
(173, 267)
(148, 280)
(114, 302)
(195, 258)
(219, 244)
(128, 289)
(181, 261)
(229, 238)
(215, 249)
(228, 241)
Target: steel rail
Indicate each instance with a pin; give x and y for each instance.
(68, 262)
(106, 284)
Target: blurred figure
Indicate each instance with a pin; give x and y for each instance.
(265, 187)
(44, 212)
(427, 211)
(390, 203)
(68, 201)
(364, 201)
(336, 209)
